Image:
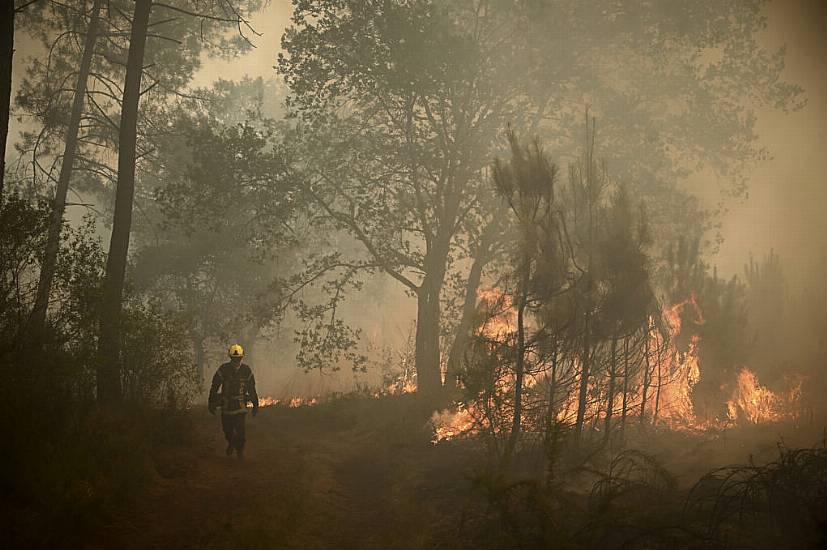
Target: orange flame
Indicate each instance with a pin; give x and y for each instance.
(678, 372)
(755, 404)
(503, 321)
(675, 373)
(449, 424)
(292, 402)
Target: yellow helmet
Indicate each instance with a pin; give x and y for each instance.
(236, 351)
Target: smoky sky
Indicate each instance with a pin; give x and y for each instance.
(787, 198)
(787, 201)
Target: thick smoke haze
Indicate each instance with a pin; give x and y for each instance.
(784, 210)
(414, 274)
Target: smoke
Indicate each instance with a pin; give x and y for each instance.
(783, 211)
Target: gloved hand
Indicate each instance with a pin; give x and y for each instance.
(255, 411)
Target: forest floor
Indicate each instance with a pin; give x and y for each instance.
(353, 473)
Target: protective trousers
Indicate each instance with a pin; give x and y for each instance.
(234, 431)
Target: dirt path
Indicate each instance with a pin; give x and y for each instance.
(321, 477)
(354, 474)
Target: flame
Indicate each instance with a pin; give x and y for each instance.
(755, 404)
(449, 424)
(268, 401)
(750, 402)
(292, 402)
(502, 322)
(675, 372)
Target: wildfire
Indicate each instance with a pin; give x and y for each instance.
(268, 401)
(292, 403)
(750, 402)
(503, 321)
(674, 371)
(449, 424)
(677, 373)
(756, 404)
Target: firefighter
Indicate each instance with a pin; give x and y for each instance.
(237, 386)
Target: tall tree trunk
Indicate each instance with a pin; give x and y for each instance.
(428, 377)
(585, 367)
(519, 368)
(552, 388)
(587, 336)
(47, 269)
(647, 380)
(427, 360)
(552, 431)
(587, 341)
(469, 307)
(625, 405)
(6, 55)
(657, 392)
(109, 372)
(611, 393)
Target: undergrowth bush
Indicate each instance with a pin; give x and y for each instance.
(66, 461)
(631, 502)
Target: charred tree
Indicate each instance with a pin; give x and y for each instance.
(109, 375)
(585, 373)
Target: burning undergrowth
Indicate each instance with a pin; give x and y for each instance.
(289, 402)
(652, 381)
(391, 387)
(656, 415)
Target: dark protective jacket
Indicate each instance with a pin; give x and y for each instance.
(237, 385)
